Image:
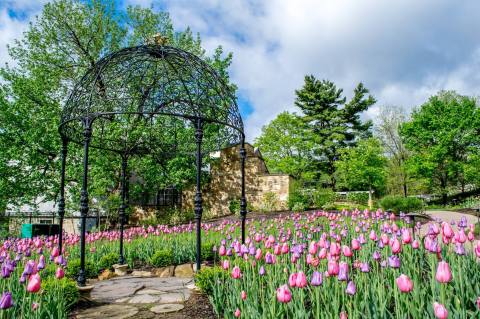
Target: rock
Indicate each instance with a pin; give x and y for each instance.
(150, 292)
(108, 312)
(172, 297)
(120, 270)
(184, 271)
(146, 298)
(192, 286)
(164, 272)
(140, 273)
(85, 290)
(122, 300)
(166, 308)
(106, 274)
(203, 265)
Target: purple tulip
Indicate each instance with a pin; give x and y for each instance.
(376, 255)
(29, 267)
(343, 271)
(364, 267)
(351, 288)
(23, 278)
(316, 279)
(6, 300)
(459, 249)
(261, 272)
(394, 261)
(5, 271)
(41, 263)
(462, 223)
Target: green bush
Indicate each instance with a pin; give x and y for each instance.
(234, 206)
(322, 197)
(64, 288)
(269, 202)
(298, 201)
(162, 258)
(207, 277)
(207, 252)
(73, 268)
(107, 261)
(401, 204)
(358, 198)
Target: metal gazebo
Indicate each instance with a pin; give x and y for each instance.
(150, 100)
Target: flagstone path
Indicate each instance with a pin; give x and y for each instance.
(137, 297)
(447, 216)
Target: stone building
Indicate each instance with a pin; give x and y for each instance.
(264, 191)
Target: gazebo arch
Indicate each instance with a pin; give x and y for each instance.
(150, 99)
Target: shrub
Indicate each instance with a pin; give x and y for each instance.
(207, 277)
(207, 252)
(269, 202)
(298, 201)
(73, 268)
(107, 261)
(358, 198)
(401, 204)
(234, 206)
(162, 258)
(65, 289)
(322, 197)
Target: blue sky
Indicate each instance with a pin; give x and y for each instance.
(402, 50)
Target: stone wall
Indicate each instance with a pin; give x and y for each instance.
(225, 183)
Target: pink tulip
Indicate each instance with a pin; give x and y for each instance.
(292, 280)
(347, 252)
(470, 236)
(226, 264)
(355, 244)
(415, 244)
(404, 283)
(332, 268)
(334, 249)
(323, 253)
(237, 313)
(373, 236)
(55, 252)
(59, 274)
(462, 238)
(343, 315)
(283, 294)
(258, 254)
(236, 273)
(447, 230)
(440, 311)
(301, 280)
(406, 236)
(312, 248)
(478, 302)
(384, 238)
(285, 248)
(477, 249)
(243, 295)
(396, 246)
(34, 283)
(443, 274)
(222, 251)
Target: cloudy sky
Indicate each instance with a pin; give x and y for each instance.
(402, 50)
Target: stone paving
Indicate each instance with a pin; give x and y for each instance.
(123, 296)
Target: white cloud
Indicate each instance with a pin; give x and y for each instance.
(403, 50)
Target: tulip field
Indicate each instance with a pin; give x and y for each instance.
(352, 264)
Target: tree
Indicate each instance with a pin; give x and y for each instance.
(387, 130)
(55, 51)
(335, 123)
(363, 166)
(443, 136)
(286, 145)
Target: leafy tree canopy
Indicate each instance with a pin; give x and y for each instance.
(444, 137)
(66, 39)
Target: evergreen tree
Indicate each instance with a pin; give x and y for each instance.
(335, 123)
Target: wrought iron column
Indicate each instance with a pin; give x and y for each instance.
(61, 202)
(87, 134)
(243, 200)
(198, 194)
(123, 206)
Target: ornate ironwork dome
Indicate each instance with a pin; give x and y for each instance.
(147, 98)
